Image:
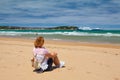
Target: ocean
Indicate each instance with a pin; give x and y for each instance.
(93, 36)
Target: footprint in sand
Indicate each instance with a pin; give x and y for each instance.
(70, 68)
(20, 51)
(116, 54)
(88, 72)
(116, 79)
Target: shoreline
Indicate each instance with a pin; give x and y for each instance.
(62, 42)
(99, 37)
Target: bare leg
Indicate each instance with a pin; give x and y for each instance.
(56, 61)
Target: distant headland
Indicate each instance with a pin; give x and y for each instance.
(42, 28)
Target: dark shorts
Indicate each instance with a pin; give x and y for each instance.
(49, 62)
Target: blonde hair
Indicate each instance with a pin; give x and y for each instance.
(39, 42)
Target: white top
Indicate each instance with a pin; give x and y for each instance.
(39, 54)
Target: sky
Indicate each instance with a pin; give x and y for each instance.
(49, 13)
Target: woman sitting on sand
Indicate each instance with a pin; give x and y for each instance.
(42, 60)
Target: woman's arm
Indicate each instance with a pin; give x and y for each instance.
(51, 55)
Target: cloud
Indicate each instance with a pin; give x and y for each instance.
(69, 12)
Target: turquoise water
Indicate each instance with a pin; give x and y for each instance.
(97, 36)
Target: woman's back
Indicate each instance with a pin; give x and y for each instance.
(39, 54)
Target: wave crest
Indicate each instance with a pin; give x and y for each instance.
(73, 33)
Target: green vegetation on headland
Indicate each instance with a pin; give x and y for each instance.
(64, 28)
(12, 27)
(50, 28)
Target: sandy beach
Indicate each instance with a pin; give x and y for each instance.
(83, 61)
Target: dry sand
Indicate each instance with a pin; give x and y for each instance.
(84, 61)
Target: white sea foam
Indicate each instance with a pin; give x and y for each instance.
(87, 34)
(74, 33)
(85, 28)
(57, 39)
(89, 28)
